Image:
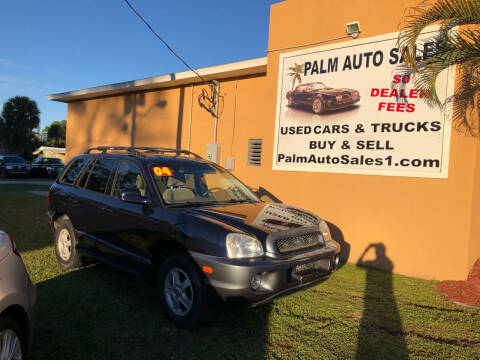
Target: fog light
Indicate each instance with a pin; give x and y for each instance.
(256, 281)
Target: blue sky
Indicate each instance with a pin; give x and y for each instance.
(51, 46)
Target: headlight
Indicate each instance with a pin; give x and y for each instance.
(339, 98)
(9, 167)
(242, 246)
(325, 230)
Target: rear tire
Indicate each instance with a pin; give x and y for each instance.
(182, 292)
(290, 102)
(65, 244)
(12, 337)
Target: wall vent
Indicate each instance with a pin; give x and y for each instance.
(254, 152)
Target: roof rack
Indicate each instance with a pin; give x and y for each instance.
(141, 150)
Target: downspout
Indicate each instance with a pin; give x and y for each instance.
(190, 118)
(217, 89)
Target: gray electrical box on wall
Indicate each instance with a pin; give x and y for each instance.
(213, 152)
(230, 163)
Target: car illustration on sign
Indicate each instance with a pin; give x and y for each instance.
(321, 97)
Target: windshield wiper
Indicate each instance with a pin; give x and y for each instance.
(190, 203)
(238, 201)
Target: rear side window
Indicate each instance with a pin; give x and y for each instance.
(73, 171)
(98, 178)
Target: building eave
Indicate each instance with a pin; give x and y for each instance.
(241, 68)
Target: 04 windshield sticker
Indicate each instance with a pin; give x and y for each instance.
(162, 171)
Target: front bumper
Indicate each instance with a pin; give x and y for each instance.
(231, 277)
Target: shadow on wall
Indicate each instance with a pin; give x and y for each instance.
(337, 235)
(98, 312)
(131, 101)
(380, 311)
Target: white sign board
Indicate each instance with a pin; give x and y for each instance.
(352, 108)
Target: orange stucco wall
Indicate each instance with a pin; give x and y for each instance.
(430, 227)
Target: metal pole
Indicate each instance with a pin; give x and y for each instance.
(217, 89)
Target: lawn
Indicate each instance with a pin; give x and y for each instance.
(100, 313)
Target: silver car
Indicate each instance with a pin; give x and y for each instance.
(17, 299)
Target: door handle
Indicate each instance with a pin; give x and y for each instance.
(106, 209)
(73, 201)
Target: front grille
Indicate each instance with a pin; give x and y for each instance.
(299, 242)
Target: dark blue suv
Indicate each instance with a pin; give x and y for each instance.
(188, 224)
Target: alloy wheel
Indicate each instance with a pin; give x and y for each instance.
(10, 346)
(317, 105)
(178, 292)
(64, 244)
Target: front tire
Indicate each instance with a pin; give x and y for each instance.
(65, 244)
(183, 295)
(317, 105)
(12, 339)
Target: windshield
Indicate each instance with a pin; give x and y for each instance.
(318, 86)
(13, 159)
(192, 183)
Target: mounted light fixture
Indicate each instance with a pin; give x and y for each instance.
(353, 29)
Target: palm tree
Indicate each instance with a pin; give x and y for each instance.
(461, 48)
(295, 73)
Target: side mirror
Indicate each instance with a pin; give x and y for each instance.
(132, 196)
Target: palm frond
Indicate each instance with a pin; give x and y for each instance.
(449, 12)
(464, 105)
(457, 49)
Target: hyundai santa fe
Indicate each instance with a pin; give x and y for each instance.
(187, 224)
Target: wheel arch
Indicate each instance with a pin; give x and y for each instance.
(58, 216)
(18, 313)
(161, 253)
(163, 250)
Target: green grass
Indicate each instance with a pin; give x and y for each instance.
(22, 187)
(101, 313)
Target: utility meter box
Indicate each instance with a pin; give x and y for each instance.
(213, 152)
(230, 163)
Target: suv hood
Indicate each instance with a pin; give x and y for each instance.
(260, 219)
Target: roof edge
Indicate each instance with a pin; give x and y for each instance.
(218, 72)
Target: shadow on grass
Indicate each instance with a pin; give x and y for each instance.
(101, 313)
(22, 187)
(23, 216)
(381, 334)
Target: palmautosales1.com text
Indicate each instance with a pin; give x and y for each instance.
(356, 160)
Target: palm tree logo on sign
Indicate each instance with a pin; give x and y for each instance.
(295, 73)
